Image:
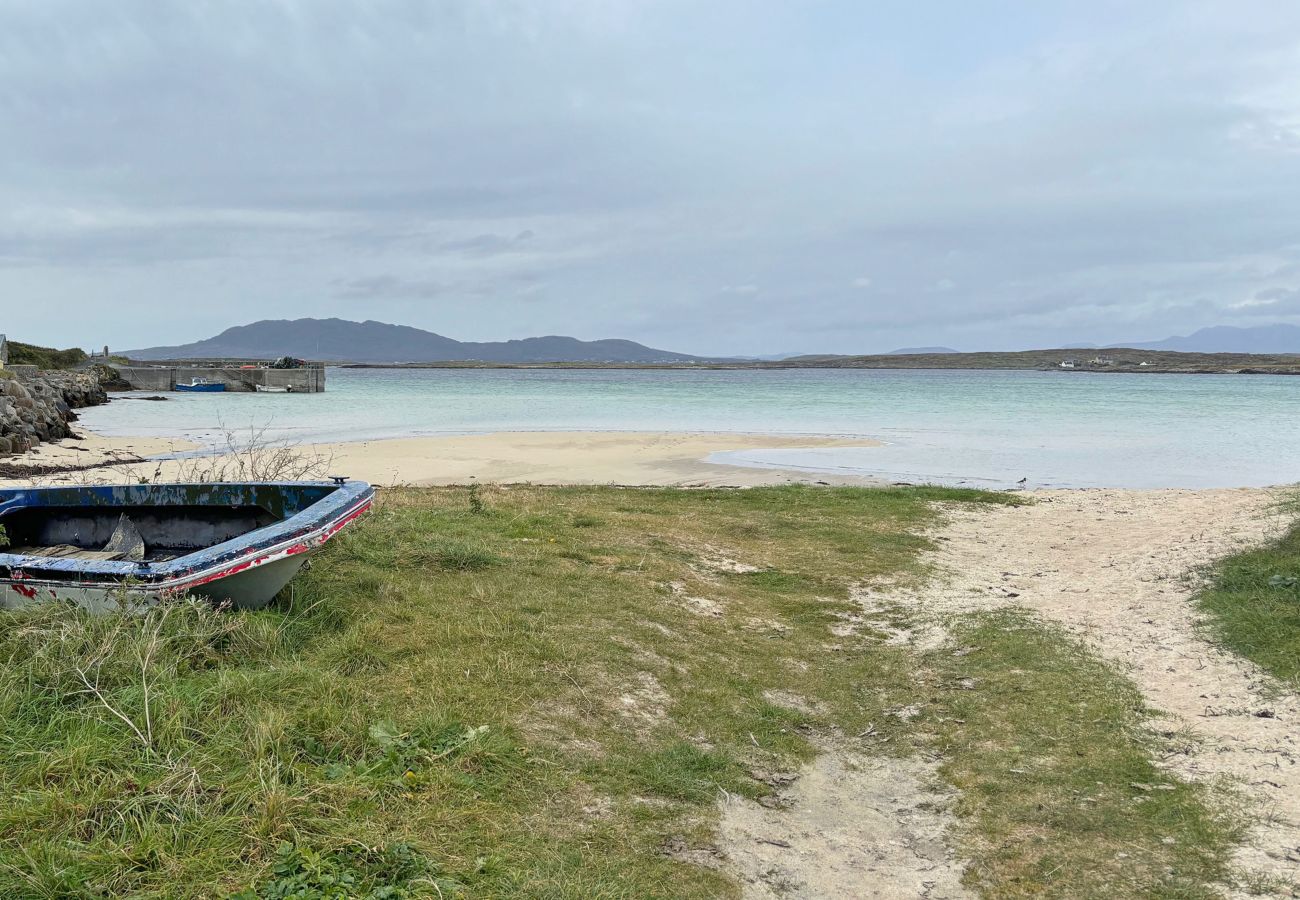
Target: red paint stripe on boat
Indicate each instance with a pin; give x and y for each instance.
(294, 550)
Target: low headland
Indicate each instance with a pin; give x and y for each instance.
(1141, 362)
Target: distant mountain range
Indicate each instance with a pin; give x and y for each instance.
(1219, 339)
(1226, 339)
(338, 340)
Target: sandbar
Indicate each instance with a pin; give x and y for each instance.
(664, 459)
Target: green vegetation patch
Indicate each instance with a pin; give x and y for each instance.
(1253, 606)
(352, 873)
(44, 357)
(1059, 791)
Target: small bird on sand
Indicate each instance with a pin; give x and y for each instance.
(1023, 480)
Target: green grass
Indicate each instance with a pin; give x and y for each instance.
(1253, 606)
(512, 691)
(44, 357)
(1060, 795)
(534, 691)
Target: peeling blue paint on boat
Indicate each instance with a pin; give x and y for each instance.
(241, 569)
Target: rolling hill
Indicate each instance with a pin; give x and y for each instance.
(338, 340)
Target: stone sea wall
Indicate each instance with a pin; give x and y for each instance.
(36, 407)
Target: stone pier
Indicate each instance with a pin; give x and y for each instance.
(306, 380)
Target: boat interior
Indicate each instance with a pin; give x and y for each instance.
(164, 532)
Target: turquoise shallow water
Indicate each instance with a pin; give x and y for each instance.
(956, 427)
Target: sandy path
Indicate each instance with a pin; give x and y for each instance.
(850, 825)
(1115, 567)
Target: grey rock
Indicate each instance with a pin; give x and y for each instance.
(39, 406)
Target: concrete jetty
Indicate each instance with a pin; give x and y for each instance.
(308, 379)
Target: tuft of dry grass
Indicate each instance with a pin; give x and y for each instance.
(254, 457)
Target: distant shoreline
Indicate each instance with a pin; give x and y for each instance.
(1123, 359)
(1292, 369)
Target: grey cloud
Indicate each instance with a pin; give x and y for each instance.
(1101, 172)
(384, 287)
(394, 287)
(1274, 302)
(490, 244)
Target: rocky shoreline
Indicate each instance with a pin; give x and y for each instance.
(39, 408)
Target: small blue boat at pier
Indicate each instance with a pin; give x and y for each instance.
(202, 386)
(112, 546)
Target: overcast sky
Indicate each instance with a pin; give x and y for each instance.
(728, 176)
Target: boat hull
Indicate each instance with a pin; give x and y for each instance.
(253, 588)
(201, 388)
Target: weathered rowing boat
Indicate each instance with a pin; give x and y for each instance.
(104, 547)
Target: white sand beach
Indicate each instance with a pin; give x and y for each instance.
(581, 457)
(89, 449)
(575, 457)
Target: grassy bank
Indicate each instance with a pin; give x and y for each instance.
(536, 691)
(44, 357)
(1253, 606)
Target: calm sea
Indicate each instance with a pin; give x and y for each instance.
(954, 427)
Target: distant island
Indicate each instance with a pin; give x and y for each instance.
(1271, 349)
(1069, 360)
(1276, 339)
(338, 340)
